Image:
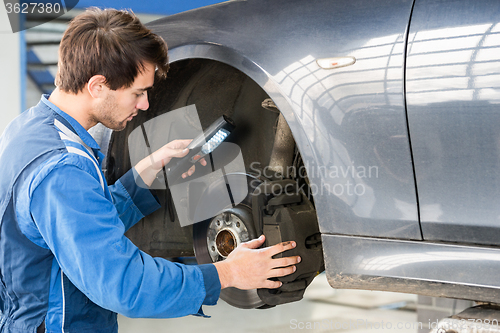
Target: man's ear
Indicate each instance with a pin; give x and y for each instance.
(97, 86)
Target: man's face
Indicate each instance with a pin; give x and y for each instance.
(121, 105)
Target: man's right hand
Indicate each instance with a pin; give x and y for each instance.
(149, 166)
(249, 267)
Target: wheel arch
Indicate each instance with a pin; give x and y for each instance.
(153, 234)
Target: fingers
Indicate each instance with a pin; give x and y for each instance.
(178, 152)
(279, 272)
(282, 247)
(189, 172)
(284, 262)
(202, 161)
(193, 168)
(282, 271)
(179, 144)
(254, 243)
(176, 148)
(272, 284)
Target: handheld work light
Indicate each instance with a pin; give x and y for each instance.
(203, 144)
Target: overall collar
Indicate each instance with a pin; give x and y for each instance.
(73, 124)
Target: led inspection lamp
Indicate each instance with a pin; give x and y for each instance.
(202, 145)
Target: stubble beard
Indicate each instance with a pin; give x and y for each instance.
(105, 113)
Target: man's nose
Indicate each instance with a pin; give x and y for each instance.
(143, 102)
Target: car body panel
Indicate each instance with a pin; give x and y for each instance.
(424, 268)
(453, 98)
(349, 123)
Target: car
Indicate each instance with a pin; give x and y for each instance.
(382, 117)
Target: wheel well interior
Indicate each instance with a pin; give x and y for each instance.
(215, 89)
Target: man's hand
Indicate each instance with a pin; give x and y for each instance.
(149, 167)
(248, 267)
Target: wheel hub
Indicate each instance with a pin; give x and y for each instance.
(225, 232)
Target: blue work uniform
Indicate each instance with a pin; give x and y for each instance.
(64, 260)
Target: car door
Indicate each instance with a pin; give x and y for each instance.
(453, 105)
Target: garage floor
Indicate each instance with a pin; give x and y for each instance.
(323, 309)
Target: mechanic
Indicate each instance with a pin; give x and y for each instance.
(65, 264)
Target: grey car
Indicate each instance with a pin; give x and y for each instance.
(383, 118)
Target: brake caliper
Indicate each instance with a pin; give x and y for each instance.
(283, 213)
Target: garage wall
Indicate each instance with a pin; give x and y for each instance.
(11, 71)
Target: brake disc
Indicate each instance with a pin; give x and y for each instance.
(215, 238)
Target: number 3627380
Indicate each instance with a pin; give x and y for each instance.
(33, 7)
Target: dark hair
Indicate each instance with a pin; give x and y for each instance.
(108, 42)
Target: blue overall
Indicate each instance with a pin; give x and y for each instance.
(64, 260)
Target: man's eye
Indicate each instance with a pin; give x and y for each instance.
(140, 95)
